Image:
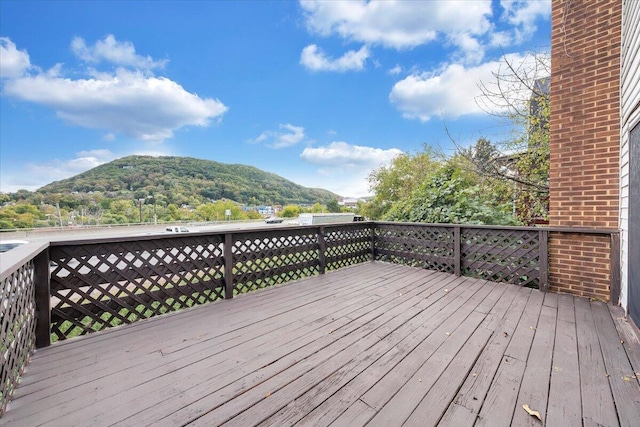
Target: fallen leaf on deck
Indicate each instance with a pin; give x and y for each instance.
(505, 334)
(531, 412)
(532, 328)
(268, 394)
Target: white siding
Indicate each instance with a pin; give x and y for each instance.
(630, 117)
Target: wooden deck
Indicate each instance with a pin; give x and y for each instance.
(375, 344)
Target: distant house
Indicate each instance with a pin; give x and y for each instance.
(265, 210)
(539, 101)
(350, 203)
(595, 143)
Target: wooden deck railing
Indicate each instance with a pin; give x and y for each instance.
(73, 288)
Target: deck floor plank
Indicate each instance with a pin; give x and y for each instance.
(331, 408)
(328, 343)
(475, 387)
(597, 400)
(534, 390)
(623, 381)
(349, 356)
(372, 344)
(565, 404)
(629, 335)
(498, 407)
(154, 364)
(189, 367)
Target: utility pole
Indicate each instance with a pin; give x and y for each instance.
(140, 204)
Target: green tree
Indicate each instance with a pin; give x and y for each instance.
(450, 196)
(208, 212)
(333, 206)
(318, 208)
(396, 182)
(518, 96)
(290, 211)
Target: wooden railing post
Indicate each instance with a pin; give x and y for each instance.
(614, 289)
(322, 247)
(373, 241)
(457, 268)
(543, 259)
(228, 266)
(42, 283)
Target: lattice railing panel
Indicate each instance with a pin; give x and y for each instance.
(99, 285)
(271, 258)
(501, 255)
(424, 246)
(17, 328)
(347, 245)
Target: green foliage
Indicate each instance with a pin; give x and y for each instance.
(333, 206)
(217, 211)
(252, 215)
(434, 189)
(396, 182)
(449, 197)
(290, 211)
(318, 208)
(184, 180)
(165, 189)
(520, 97)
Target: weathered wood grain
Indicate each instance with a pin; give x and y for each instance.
(565, 403)
(375, 343)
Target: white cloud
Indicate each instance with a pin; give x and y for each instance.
(469, 26)
(314, 58)
(111, 50)
(470, 49)
(395, 70)
(398, 24)
(14, 63)
(36, 175)
(287, 136)
(341, 154)
(452, 91)
(523, 15)
(344, 168)
(127, 102)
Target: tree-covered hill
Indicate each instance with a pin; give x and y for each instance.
(182, 178)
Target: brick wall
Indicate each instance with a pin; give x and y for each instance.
(585, 139)
(580, 265)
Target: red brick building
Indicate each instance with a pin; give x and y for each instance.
(595, 96)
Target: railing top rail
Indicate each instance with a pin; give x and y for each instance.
(12, 260)
(156, 236)
(258, 229)
(581, 230)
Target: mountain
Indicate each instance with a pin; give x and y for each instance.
(181, 178)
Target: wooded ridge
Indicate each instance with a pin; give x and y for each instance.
(184, 178)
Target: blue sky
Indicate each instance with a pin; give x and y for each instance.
(320, 93)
